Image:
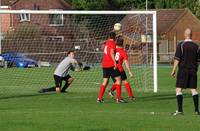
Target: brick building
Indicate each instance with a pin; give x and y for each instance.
(36, 33)
(53, 22)
(171, 24)
(5, 18)
(49, 36)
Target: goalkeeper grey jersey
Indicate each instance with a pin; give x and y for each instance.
(65, 66)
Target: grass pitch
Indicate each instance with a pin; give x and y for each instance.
(23, 109)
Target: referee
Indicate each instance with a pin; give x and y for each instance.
(186, 58)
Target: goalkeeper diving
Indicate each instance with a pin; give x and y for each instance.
(62, 74)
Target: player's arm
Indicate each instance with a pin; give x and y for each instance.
(173, 73)
(75, 66)
(128, 68)
(127, 63)
(177, 58)
(112, 54)
(198, 56)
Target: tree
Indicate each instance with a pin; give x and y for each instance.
(195, 8)
(193, 5)
(107, 4)
(89, 4)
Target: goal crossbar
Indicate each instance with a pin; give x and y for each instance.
(73, 12)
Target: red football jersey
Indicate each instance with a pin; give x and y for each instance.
(107, 61)
(120, 56)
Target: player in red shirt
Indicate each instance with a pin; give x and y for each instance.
(110, 69)
(120, 57)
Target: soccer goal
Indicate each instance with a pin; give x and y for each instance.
(44, 36)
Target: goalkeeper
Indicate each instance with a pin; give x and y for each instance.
(62, 74)
(120, 57)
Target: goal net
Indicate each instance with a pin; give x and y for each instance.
(32, 43)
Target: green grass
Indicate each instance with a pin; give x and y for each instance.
(22, 109)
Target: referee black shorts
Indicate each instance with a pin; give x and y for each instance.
(110, 72)
(186, 78)
(58, 80)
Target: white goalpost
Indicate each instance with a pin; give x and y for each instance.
(46, 35)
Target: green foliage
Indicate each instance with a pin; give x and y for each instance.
(195, 8)
(108, 4)
(89, 4)
(193, 5)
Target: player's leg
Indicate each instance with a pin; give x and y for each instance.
(195, 100)
(179, 98)
(181, 82)
(58, 83)
(102, 90)
(106, 76)
(193, 86)
(50, 89)
(113, 88)
(127, 85)
(128, 89)
(116, 75)
(53, 88)
(118, 90)
(68, 80)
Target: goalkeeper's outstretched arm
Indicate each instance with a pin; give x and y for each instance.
(76, 66)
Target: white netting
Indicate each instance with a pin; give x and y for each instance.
(47, 37)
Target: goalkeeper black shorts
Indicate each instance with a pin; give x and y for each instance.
(58, 80)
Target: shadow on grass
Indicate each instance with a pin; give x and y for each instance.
(99, 129)
(158, 97)
(24, 96)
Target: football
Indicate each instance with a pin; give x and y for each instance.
(117, 27)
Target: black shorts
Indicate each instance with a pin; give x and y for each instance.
(58, 80)
(110, 72)
(123, 76)
(187, 78)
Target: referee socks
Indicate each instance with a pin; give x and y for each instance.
(196, 102)
(180, 102)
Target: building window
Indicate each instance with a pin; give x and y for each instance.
(55, 38)
(24, 17)
(56, 19)
(36, 7)
(2, 35)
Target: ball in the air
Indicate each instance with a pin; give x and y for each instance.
(117, 27)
